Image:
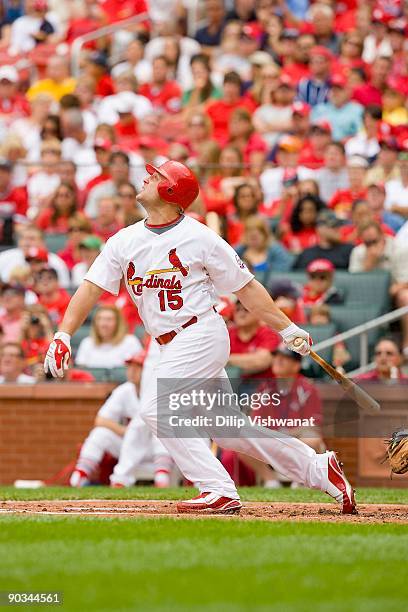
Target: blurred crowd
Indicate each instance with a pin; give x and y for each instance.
(293, 115)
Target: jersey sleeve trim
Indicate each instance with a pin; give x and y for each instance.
(101, 286)
(244, 283)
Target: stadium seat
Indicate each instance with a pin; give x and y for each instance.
(362, 288)
(318, 334)
(139, 332)
(347, 317)
(100, 374)
(233, 372)
(118, 374)
(82, 333)
(365, 288)
(55, 242)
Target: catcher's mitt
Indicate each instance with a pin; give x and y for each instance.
(397, 451)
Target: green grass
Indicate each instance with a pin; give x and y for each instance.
(365, 495)
(212, 566)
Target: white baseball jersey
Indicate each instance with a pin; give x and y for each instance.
(122, 405)
(170, 276)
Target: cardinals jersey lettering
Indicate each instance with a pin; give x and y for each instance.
(170, 276)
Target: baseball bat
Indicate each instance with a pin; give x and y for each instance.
(361, 397)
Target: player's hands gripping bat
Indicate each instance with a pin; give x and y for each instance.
(296, 339)
(361, 397)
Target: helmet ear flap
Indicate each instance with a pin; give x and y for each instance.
(178, 184)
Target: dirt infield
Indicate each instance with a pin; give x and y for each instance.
(368, 513)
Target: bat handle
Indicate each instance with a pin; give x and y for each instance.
(298, 342)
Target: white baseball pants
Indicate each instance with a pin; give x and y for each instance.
(100, 440)
(201, 352)
(139, 446)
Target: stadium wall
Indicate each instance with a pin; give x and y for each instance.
(42, 426)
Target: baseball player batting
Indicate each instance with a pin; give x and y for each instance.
(174, 266)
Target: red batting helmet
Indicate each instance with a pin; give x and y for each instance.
(179, 186)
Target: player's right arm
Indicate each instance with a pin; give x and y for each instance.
(104, 275)
(81, 304)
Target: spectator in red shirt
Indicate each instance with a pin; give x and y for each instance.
(343, 199)
(246, 204)
(124, 302)
(36, 259)
(103, 149)
(12, 104)
(220, 187)
(126, 128)
(79, 227)
(251, 344)
(376, 199)
(50, 294)
(351, 49)
(361, 214)
(371, 92)
(280, 210)
(303, 224)
(37, 332)
(67, 170)
(314, 150)
(300, 119)
(106, 224)
(116, 10)
(54, 219)
(198, 132)
(287, 46)
(299, 398)
(242, 134)
(164, 94)
(88, 19)
(96, 67)
(388, 360)
(319, 288)
(220, 111)
(299, 68)
(13, 200)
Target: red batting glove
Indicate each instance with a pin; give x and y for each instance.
(58, 355)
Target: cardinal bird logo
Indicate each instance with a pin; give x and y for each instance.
(135, 282)
(130, 272)
(175, 261)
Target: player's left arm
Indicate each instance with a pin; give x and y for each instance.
(257, 300)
